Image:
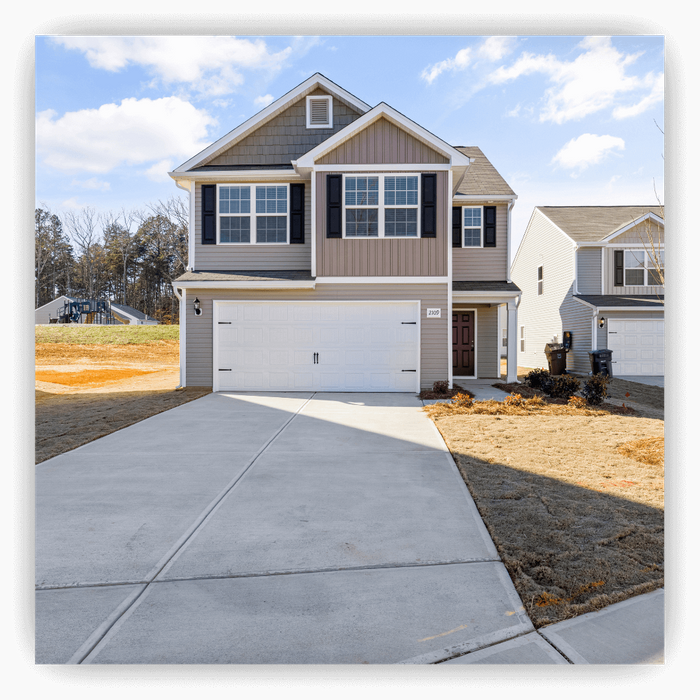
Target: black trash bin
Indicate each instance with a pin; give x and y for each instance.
(556, 357)
(601, 362)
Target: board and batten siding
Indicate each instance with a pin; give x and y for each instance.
(483, 264)
(296, 256)
(543, 244)
(382, 142)
(433, 338)
(382, 257)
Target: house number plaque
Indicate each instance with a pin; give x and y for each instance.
(434, 313)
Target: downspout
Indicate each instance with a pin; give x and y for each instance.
(190, 189)
(183, 316)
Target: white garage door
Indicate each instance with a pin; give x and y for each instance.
(638, 347)
(316, 346)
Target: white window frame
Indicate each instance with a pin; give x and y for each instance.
(481, 232)
(540, 280)
(522, 338)
(253, 213)
(648, 265)
(326, 98)
(382, 207)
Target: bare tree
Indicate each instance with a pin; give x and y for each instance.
(176, 209)
(121, 241)
(83, 227)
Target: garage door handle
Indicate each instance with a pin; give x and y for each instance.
(408, 323)
(315, 358)
(224, 370)
(408, 370)
(224, 323)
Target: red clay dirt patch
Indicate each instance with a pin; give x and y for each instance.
(84, 392)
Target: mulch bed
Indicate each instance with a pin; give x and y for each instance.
(428, 394)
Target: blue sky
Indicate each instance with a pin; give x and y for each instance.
(566, 120)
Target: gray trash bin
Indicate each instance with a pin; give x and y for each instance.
(556, 358)
(601, 362)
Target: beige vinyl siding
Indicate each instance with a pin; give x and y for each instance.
(381, 257)
(253, 257)
(434, 331)
(285, 137)
(639, 237)
(382, 142)
(483, 264)
(487, 339)
(543, 244)
(588, 273)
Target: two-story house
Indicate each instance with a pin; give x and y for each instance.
(335, 246)
(596, 272)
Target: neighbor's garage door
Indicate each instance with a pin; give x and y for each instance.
(638, 347)
(316, 346)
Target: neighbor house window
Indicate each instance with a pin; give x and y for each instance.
(640, 269)
(472, 223)
(378, 206)
(522, 338)
(253, 214)
(539, 280)
(504, 339)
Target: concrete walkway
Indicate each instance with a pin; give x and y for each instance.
(280, 529)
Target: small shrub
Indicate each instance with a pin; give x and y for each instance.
(463, 400)
(514, 400)
(561, 387)
(577, 402)
(536, 378)
(596, 389)
(441, 387)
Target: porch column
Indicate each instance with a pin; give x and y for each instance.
(512, 333)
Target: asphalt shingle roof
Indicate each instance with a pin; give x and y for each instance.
(590, 224)
(650, 301)
(496, 286)
(481, 177)
(245, 276)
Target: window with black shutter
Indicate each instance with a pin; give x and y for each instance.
(456, 227)
(489, 227)
(428, 205)
(334, 206)
(619, 259)
(296, 213)
(208, 214)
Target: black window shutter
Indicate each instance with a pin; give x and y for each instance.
(296, 212)
(208, 214)
(456, 227)
(334, 206)
(428, 205)
(619, 268)
(489, 227)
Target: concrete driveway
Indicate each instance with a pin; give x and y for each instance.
(267, 529)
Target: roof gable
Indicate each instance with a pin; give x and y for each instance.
(383, 111)
(598, 224)
(273, 110)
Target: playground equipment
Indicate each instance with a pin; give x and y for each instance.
(85, 311)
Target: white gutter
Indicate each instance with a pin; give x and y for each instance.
(575, 268)
(237, 175)
(484, 198)
(189, 187)
(510, 207)
(215, 284)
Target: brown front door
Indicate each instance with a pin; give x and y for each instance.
(463, 343)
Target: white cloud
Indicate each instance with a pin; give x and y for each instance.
(594, 80)
(493, 48)
(92, 184)
(211, 65)
(263, 101)
(586, 150)
(158, 172)
(72, 203)
(132, 132)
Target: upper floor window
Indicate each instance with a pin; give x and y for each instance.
(472, 225)
(380, 206)
(641, 269)
(319, 112)
(253, 214)
(540, 280)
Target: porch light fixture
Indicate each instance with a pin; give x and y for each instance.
(601, 323)
(197, 307)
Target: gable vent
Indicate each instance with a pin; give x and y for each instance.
(319, 112)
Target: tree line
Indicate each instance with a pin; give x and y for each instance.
(129, 257)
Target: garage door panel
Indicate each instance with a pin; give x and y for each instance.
(351, 346)
(638, 347)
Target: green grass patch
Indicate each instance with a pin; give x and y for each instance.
(76, 334)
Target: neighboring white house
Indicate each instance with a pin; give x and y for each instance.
(48, 313)
(588, 271)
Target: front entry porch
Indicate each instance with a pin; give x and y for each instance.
(478, 332)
